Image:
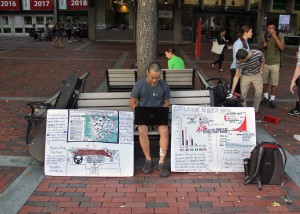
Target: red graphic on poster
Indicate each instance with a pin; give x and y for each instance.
(77, 4)
(243, 126)
(9, 5)
(46, 5)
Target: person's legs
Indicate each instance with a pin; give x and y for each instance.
(163, 143)
(245, 83)
(221, 59)
(145, 145)
(54, 40)
(274, 80)
(265, 79)
(258, 85)
(238, 87)
(61, 38)
(144, 140)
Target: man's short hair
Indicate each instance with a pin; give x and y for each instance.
(154, 66)
(241, 54)
(271, 23)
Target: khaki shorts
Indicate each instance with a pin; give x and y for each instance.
(270, 74)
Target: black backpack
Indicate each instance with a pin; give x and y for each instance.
(223, 95)
(265, 165)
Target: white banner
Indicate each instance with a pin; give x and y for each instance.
(26, 4)
(211, 139)
(62, 4)
(89, 143)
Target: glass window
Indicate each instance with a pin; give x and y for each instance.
(165, 16)
(19, 30)
(40, 20)
(5, 20)
(7, 30)
(254, 4)
(193, 2)
(187, 24)
(27, 20)
(118, 15)
(49, 19)
(235, 4)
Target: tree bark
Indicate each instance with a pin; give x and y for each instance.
(146, 34)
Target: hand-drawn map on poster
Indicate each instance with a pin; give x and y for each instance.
(211, 139)
(89, 143)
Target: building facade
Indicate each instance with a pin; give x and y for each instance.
(115, 20)
(17, 16)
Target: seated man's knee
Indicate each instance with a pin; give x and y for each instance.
(163, 131)
(143, 130)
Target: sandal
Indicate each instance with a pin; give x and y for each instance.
(212, 65)
(147, 168)
(163, 171)
(221, 70)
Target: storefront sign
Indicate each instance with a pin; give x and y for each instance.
(37, 5)
(9, 5)
(73, 4)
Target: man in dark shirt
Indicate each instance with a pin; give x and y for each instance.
(152, 91)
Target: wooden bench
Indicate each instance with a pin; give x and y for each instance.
(180, 79)
(119, 80)
(119, 101)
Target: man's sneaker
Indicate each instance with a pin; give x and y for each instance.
(257, 118)
(294, 111)
(272, 104)
(147, 168)
(264, 101)
(163, 171)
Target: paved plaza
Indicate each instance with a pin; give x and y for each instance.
(34, 71)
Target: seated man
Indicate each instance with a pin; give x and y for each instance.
(152, 91)
(33, 33)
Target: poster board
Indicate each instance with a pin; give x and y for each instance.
(211, 139)
(89, 143)
(284, 22)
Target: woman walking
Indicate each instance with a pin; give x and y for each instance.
(59, 30)
(245, 33)
(221, 41)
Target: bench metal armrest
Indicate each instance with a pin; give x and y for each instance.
(35, 105)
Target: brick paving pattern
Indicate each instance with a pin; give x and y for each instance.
(35, 69)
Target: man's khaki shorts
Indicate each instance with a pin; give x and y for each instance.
(270, 74)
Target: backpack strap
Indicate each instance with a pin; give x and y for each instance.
(255, 174)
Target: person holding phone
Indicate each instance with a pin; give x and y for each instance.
(272, 43)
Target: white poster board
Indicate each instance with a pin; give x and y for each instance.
(211, 139)
(284, 22)
(89, 143)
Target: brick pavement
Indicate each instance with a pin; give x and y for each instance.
(35, 69)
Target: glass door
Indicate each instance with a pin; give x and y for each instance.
(7, 25)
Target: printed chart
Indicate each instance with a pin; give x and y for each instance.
(211, 139)
(89, 143)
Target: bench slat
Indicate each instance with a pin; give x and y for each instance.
(190, 101)
(121, 83)
(103, 95)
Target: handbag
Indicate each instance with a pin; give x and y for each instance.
(216, 48)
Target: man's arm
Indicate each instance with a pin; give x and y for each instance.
(166, 103)
(235, 80)
(262, 42)
(295, 76)
(132, 103)
(262, 64)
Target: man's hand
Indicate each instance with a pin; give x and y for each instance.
(265, 44)
(273, 33)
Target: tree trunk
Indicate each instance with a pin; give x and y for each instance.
(146, 34)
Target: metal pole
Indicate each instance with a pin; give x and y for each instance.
(55, 10)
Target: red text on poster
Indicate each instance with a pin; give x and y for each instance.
(41, 5)
(9, 5)
(77, 4)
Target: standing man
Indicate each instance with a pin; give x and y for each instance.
(273, 43)
(249, 67)
(152, 91)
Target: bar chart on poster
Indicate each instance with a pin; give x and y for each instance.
(89, 143)
(211, 139)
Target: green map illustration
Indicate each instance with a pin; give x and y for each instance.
(103, 128)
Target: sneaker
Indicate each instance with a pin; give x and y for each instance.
(147, 168)
(272, 104)
(163, 171)
(297, 137)
(257, 119)
(264, 101)
(294, 111)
